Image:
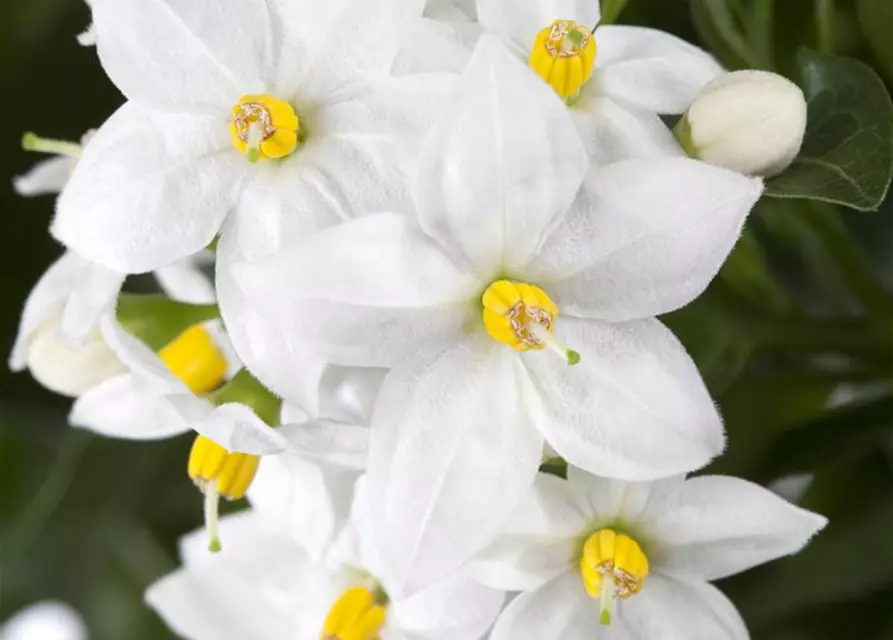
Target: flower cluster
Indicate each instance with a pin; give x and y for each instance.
(440, 236)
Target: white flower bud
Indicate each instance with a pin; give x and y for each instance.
(752, 122)
(70, 372)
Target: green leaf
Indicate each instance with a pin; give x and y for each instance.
(847, 155)
(611, 10)
(876, 18)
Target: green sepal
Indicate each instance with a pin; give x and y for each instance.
(245, 389)
(156, 319)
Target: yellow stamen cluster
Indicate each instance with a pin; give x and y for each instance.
(356, 615)
(264, 127)
(195, 359)
(564, 56)
(613, 566)
(511, 309)
(230, 473)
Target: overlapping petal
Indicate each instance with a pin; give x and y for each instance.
(650, 68)
(453, 452)
(645, 238)
(635, 406)
(503, 162)
(162, 52)
(523, 20)
(151, 188)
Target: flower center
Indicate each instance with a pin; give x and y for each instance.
(613, 566)
(219, 473)
(564, 55)
(358, 614)
(523, 317)
(264, 127)
(196, 360)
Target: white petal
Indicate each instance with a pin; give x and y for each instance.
(302, 500)
(650, 69)
(613, 132)
(370, 292)
(127, 407)
(452, 454)
(634, 408)
(503, 162)
(435, 46)
(668, 608)
(347, 394)
(185, 281)
(336, 44)
(540, 541)
(46, 620)
(177, 54)
(139, 358)
(715, 526)
(362, 154)
(645, 238)
(94, 295)
(287, 366)
(340, 444)
(48, 176)
(233, 426)
(70, 280)
(453, 608)
(150, 189)
(559, 609)
(523, 20)
(610, 501)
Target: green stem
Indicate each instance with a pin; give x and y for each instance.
(760, 33)
(824, 16)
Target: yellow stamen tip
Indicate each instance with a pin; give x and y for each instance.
(518, 314)
(264, 127)
(563, 55)
(613, 565)
(196, 360)
(358, 614)
(229, 473)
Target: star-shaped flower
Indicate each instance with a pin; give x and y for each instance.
(598, 558)
(297, 88)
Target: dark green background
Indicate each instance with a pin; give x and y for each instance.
(93, 521)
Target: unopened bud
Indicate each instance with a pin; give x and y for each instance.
(752, 122)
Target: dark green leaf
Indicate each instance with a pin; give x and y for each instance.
(720, 27)
(876, 18)
(847, 156)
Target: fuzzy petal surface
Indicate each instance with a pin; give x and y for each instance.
(717, 526)
(453, 453)
(150, 189)
(645, 238)
(501, 165)
(635, 406)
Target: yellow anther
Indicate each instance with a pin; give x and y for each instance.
(613, 565)
(523, 317)
(356, 615)
(195, 359)
(219, 473)
(564, 55)
(231, 473)
(264, 127)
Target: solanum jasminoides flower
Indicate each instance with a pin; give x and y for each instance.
(614, 78)
(254, 108)
(516, 308)
(264, 585)
(599, 559)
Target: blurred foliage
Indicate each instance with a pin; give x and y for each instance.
(795, 340)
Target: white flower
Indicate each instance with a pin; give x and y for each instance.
(46, 620)
(212, 86)
(49, 176)
(588, 552)
(59, 338)
(459, 426)
(265, 586)
(752, 122)
(635, 72)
